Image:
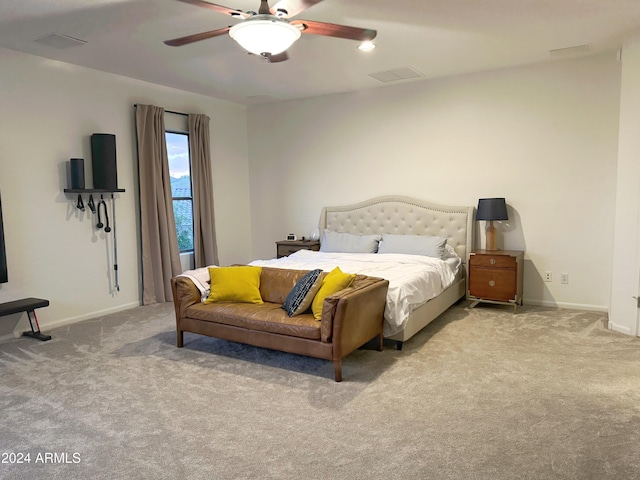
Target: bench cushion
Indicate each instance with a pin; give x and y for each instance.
(22, 305)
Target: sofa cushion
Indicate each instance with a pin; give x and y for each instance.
(235, 284)
(276, 283)
(333, 282)
(301, 295)
(266, 317)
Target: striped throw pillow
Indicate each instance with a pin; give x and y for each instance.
(301, 295)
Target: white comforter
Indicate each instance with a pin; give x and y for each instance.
(413, 279)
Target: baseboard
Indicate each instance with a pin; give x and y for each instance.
(8, 336)
(88, 316)
(619, 328)
(68, 321)
(572, 306)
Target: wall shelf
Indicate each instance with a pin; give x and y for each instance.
(93, 190)
(90, 192)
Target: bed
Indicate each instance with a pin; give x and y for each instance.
(396, 215)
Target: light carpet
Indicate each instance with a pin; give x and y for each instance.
(479, 394)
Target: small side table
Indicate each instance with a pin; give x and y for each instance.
(495, 276)
(285, 248)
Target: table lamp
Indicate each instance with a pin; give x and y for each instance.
(491, 209)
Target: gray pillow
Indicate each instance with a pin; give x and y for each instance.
(339, 242)
(426, 245)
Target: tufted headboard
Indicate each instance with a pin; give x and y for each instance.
(403, 216)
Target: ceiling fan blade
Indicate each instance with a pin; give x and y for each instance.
(333, 30)
(218, 8)
(196, 37)
(280, 57)
(292, 7)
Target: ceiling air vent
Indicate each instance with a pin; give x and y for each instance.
(59, 41)
(261, 98)
(570, 51)
(403, 73)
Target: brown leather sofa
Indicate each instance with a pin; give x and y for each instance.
(350, 318)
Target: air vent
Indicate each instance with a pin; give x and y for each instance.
(403, 73)
(59, 41)
(570, 51)
(261, 98)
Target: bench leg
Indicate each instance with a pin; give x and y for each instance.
(35, 328)
(179, 338)
(337, 370)
(381, 343)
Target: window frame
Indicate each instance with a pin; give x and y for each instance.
(186, 134)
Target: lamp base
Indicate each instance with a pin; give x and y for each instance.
(491, 236)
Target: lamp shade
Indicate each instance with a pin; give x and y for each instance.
(492, 209)
(265, 34)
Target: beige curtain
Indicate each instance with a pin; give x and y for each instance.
(204, 231)
(160, 252)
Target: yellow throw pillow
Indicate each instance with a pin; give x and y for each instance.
(235, 284)
(333, 282)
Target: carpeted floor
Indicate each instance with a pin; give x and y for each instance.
(479, 394)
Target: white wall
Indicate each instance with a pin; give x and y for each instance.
(49, 110)
(623, 314)
(543, 136)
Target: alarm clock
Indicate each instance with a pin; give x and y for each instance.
(292, 236)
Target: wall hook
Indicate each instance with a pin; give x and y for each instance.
(91, 204)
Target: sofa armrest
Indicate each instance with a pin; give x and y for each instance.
(185, 294)
(354, 316)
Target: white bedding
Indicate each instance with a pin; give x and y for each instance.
(413, 279)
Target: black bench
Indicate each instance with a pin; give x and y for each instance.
(27, 305)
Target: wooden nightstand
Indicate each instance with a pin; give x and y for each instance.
(287, 247)
(495, 276)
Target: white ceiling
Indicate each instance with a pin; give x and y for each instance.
(434, 37)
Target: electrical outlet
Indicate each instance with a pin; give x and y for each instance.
(564, 278)
(547, 276)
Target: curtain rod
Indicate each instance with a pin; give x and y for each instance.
(169, 111)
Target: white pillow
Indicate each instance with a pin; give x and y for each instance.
(426, 245)
(348, 242)
(450, 252)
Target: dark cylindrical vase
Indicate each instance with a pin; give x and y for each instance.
(76, 165)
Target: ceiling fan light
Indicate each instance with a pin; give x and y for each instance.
(367, 46)
(265, 35)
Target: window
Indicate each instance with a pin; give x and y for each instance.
(180, 173)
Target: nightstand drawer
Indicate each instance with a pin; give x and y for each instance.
(493, 284)
(495, 261)
(285, 248)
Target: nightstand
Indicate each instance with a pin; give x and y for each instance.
(495, 276)
(287, 247)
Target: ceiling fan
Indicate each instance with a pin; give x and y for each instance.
(270, 32)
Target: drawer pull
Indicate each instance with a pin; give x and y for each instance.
(492, 283)
(492, 262)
